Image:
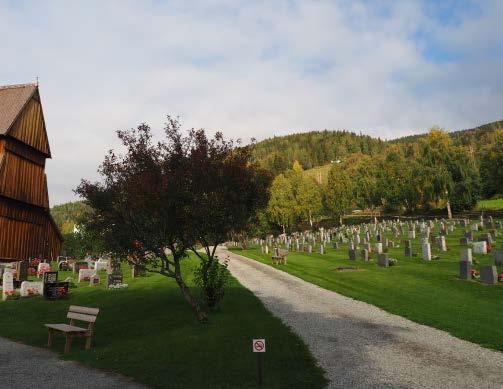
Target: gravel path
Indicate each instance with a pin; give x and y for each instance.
(23, 367)
(362, 346)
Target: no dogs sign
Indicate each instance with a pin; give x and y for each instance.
(259, 345)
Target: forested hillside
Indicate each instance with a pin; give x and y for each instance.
(317, 148)
(312, 149)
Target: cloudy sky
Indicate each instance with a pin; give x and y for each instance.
(250, 68)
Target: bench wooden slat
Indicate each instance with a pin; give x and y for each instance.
(81, 317)
(85, 310)
(66, 328)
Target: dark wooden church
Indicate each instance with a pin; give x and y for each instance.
(27, 229)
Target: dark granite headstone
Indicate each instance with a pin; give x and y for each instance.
(382, 260)
(365, 255)
(463, 241)
(488, 275)
(408, 248)
(352, 254)
(465, 268)
(498, 258)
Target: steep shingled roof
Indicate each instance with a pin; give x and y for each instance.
(13, 98)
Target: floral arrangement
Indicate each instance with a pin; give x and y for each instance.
(118, 286)
(500, 277)
(44, 270)
(474, 273)
(62, 292)
(11, 294)
(392, 261)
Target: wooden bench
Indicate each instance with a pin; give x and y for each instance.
(280, 257)
(82, 314)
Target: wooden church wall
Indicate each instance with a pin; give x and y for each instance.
(23, 180)
(30, 127)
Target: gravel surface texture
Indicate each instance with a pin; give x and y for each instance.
(23, 367)
(362, 346)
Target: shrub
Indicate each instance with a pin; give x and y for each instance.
(212, 277)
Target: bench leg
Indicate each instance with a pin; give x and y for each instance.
(88, 341)
(49, 339)
(68, 343)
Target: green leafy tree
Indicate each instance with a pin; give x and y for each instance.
(282, 205)
(338, 192)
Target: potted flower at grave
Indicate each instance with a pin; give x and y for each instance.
(500, 277)
(392, 261)
(474, 273)
(11, 295)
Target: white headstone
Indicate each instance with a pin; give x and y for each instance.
(379, 248)
(426, 251)
(33, 287)
(85, 274)
(480, 247)
(8, 284)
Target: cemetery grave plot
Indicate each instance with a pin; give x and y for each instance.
(425, 286)
(137, 326)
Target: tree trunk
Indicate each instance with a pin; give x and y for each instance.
(449, 212)
(200, 314)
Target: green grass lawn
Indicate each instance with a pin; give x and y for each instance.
(495, 204)
(425, 292)
(149, 333)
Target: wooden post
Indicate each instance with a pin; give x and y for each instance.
(259, 368)
(49, 339)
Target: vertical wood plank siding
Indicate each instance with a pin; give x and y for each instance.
(27, 229)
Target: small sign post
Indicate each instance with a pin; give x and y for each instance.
(258, 346)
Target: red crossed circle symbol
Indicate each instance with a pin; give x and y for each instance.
(259, 345)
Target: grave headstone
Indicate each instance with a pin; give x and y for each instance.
(31, 288)
(480, 247)
(463, 241)
(7, 285)
(352, 254)
(365, 255)
(408, 248)
(94, 280)
(382, 260)
(441, 243)
(426, 251)
(465, 268)
(498, 258)
(379, 248)
(22, 270)
(115, 278)
(85, 274)
(488, 275)
(466, 255)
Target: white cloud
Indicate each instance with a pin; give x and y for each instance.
(248, 68)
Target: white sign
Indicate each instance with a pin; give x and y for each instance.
(258, 345)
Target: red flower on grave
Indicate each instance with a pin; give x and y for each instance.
(474, 273)
(500, 277)
(62, 291)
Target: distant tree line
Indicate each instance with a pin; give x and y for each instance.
(435, 171)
